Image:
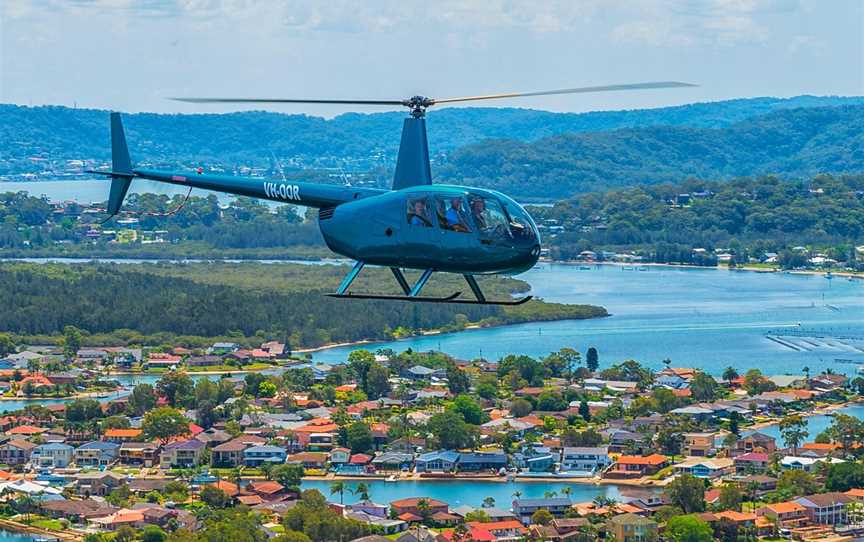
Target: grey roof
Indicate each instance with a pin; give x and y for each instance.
(556, 501)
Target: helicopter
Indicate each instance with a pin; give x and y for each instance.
(414, 225)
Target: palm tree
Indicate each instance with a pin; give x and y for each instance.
(550, 494)
(338, 487)
(566, 491)
(517, 494)
(363, 491)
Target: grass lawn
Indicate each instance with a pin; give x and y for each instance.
(50, 524)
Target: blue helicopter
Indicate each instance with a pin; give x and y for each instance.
(416, 225)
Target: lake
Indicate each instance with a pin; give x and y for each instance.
(705, 318)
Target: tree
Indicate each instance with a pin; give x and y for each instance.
(338, 487)
(589, 438)
(664, 400)
(797, 482)
(359, 363)
(266, 389)
(470, 410)
(362, 491)
(793, 429)
(141, 400)
(377, 381)
(291, 536)
(755, 383)
(542, 517)
(488, 502)
(670, 441)
(124, 533)
(592, 359)
(7, 345)
(359, 437)
(176, 387)
(730, 498)
(730, 374)
(847, 431)
(688, 529)
(214, 497)
(688, 493)
(584, 410)
(81, 411)
(450, 431)
(703, 387)
(115, 422)
(289, 475)
(477, 515)
(152, 533)
(71, 342)
(551, 401)
(520, 407)
(457, 380)
(164, 423)
(844, 476)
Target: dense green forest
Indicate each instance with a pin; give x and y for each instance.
(279, 301)
(753, 216)
(794, 143)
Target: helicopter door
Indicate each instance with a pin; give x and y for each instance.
(491, 221)
(457, 235)
(420, 235)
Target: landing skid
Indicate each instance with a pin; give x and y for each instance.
(416, 299)
(412, 294)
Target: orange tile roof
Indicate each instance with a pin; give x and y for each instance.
(26, 430)
(123, 433)
(737, 517)
(499, 525)
(653, 459)
(227, 487)
(855, 492)
(785, 507)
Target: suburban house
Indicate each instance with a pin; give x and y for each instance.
(182, 454)
(412, 506)
(709, 468)
(228, 454)
(479, 461)
(755, 442)
(142, 454)
(826, 508)
(96, 453)
(437, 461)
(256, 456)
(752, 462)
(585, 459)
(51, 456)
(632, 528)
(699, 444)
(525, 508)
(97, 483)
(786, 514)
(636, 466)
(122, 435)
(16, 452)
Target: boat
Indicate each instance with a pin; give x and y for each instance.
(642, 268)
(584, 267)
(391, 478)
(628, 268)
(828, 275)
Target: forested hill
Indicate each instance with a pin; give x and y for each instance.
(794, 143)
(61, 133)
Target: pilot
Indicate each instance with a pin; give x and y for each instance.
(454, 216)
(418, 215)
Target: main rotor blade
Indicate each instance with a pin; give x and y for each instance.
(284, 101)
(581, 90)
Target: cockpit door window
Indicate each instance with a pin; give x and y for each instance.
(452, 213)
(419, 211)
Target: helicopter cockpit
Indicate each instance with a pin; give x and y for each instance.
(494, 220)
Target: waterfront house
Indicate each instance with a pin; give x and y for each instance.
(675, 377)
(701, 467)
(585, 459)
(309, 460)
(807, 464)
(256, 456)
(393, 461)
(228, 454)
(445, 461)
(412, 506)
(182, 454)
(51, 456)
(96, 453)
(632, 528)
(380, 524)
(480, 461)
(140, 454)
(16, 452)
(636, 466)
(525, 508)
(339, 456)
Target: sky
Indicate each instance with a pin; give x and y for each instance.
(131, 55)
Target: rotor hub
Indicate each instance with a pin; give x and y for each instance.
(418, 105)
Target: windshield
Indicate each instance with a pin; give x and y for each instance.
(489, 217)
(521, 226)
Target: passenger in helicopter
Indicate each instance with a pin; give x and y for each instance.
(455, 216)
(417, 214)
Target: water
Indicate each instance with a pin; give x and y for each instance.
(815, 424)
(705, 318)
(8, 536)
(471, 493)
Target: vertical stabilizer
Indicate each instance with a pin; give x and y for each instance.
(412, 165)
(121, 166)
